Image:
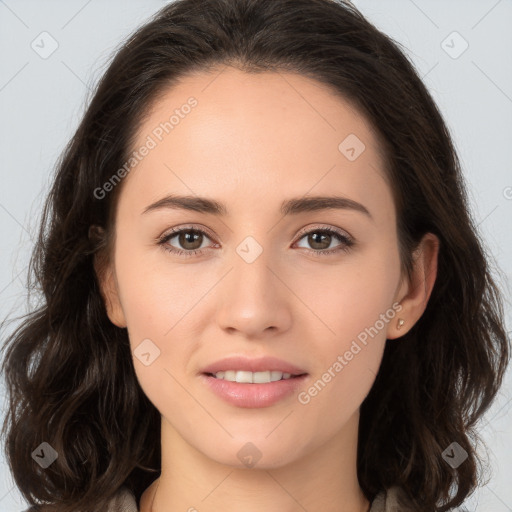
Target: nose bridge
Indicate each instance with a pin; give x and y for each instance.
(251, 299)
(251, 274)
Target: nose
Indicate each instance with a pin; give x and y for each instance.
(254, 300)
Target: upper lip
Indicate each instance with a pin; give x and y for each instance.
(260, 364)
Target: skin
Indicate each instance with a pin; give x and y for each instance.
(251, 142)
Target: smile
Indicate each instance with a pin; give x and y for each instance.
(252, 377)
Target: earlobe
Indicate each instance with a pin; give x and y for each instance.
(413, 295)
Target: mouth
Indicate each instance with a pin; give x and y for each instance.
(247, 381)
(244, 367)
(247, 377)
(244, 389)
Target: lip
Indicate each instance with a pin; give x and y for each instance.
(243, 394)
(248, 364)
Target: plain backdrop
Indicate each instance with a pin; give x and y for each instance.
(461, 48)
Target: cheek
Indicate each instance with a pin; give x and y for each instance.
(351, 297)
(159, 311)
(155, 294)
(353, 306)
(158, 303)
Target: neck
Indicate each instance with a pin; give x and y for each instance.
(323, 478)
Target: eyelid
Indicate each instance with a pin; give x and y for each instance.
(185, 227)
(346, 240)
(300, 234)
(324, 227)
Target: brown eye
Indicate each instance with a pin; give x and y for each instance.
(188, 241)
(320, 239)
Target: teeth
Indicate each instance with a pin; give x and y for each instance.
(252, 377)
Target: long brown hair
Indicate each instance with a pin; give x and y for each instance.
(69, 370)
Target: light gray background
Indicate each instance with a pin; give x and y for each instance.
(42, 100)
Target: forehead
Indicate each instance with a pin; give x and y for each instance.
(221, 129)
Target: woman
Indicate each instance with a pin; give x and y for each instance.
(262, 286)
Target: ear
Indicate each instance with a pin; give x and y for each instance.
(413, 294)
(109, 289)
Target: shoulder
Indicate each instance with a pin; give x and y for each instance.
(122, 501)
(391, 500)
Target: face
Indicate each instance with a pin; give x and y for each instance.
(255, 280)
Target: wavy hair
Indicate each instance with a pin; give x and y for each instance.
(69, 371)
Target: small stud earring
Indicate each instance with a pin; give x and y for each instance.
(400, 322)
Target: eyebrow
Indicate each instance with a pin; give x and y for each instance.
(292, 206)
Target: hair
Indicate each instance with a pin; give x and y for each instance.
(68, 368)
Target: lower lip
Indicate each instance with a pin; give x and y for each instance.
(244, 394)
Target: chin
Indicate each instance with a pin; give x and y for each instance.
(255, 454)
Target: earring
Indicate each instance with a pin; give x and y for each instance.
(400, 322)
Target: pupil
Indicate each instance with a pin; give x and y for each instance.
(319, 244)
(189, 237)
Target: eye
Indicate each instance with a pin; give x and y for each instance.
(191, 241)
(321, 238)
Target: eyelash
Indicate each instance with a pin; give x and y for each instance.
(346, 242)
